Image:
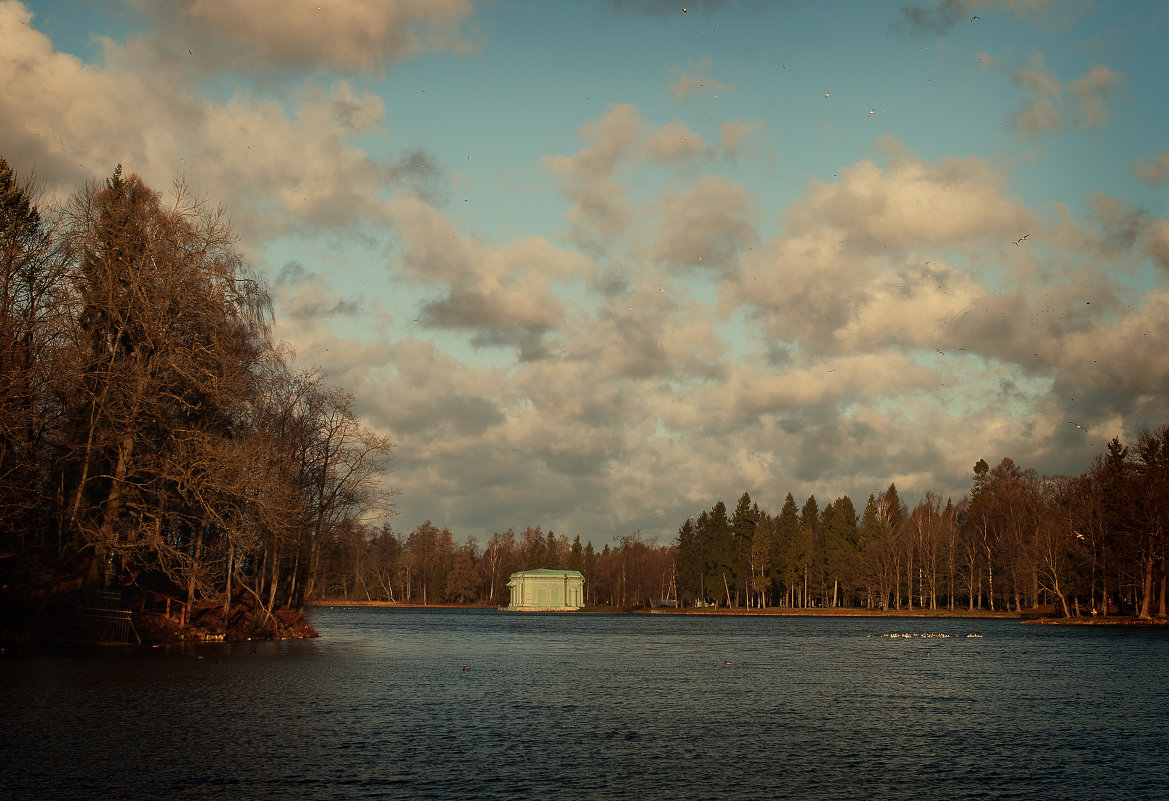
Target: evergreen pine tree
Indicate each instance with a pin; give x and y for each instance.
(720, 554)
(806, 545)
(785, 553)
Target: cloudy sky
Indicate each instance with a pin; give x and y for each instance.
(597, 265)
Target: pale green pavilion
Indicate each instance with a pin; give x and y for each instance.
(546, 590)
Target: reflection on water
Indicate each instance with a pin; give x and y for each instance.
(483, 704)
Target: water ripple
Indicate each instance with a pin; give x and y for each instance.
(604, 707)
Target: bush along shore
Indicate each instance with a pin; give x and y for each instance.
(65, 615)
(246, 620)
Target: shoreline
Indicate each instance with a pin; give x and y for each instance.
(1037, 616)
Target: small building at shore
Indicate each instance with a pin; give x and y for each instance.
(546, 590)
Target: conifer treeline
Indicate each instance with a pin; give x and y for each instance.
(1094, 542)
(154, 441)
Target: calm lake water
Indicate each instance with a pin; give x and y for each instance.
(600, 707)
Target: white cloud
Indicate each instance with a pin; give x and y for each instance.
(1049, 106)
(653, 333)
(599, 212)
(734, 134)
(1152, 171)
(859, 261)
(675, 142)
(1115, 364)
(1040, 112)
(1157, 238)
(706, 225)
(1092, 91)
(690, 83)
(72, 121)
(307, 299)
(271, 35)
(911, 202)
(280, 168)
(505, 293)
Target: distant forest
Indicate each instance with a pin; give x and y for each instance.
(1089, 544)
(156, 444)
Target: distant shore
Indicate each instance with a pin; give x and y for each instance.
(1042, 615)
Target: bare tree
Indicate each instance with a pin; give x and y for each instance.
(33, 324)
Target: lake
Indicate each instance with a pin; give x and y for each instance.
(418, 704)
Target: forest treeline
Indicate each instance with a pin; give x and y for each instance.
(1017, 540)
(1092, 543)
(155, 442)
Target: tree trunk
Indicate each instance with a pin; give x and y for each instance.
(274, 577)
(113, 506)
(1147, 586)
(897, 583)
(293, 581)
(314, 563)
(1103, 591)
(195, 564)
(1161, 610)
(909, 576)
(989, 580)
(88, 453)
(227, 595)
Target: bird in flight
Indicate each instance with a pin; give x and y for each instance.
(974, 18)
(1077, 425)
(1020, 239)
(872, 111)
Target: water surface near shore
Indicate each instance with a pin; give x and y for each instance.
(416, 703)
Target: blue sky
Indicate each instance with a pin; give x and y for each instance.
(596, 265)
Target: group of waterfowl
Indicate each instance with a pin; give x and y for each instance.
(910, 636)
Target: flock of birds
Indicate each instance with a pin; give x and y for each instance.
(911, 636)
(892, 635)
